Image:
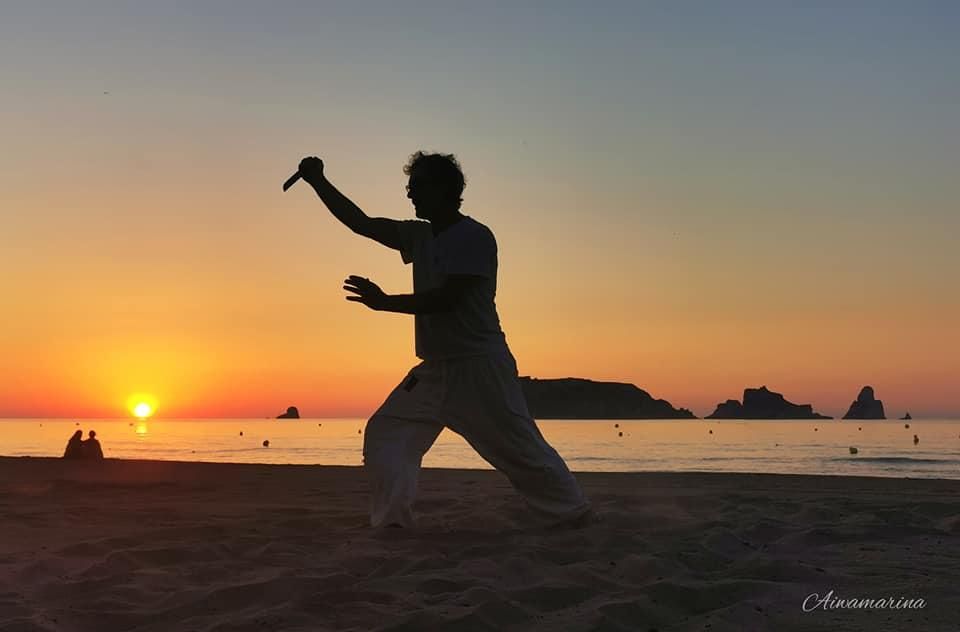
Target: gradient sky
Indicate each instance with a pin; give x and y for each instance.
(694, 197)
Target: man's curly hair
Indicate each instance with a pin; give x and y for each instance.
(442, 169)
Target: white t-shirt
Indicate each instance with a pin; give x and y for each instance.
(467, 247)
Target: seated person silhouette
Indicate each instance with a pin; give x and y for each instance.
(91, 447)
(74, 446)
(467, 379)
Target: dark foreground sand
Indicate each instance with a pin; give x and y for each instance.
(150, 545)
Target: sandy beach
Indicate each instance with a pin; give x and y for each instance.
(153, 545)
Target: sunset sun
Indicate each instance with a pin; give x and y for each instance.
(141, 405)
(142, 409)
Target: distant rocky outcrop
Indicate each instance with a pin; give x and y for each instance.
(578, 398)
(760, 403)
(730, 409)
(292, 413)
(866, 406)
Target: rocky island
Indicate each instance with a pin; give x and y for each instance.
(292, 413)
(760, 403)
(866, 406)
(579, 398)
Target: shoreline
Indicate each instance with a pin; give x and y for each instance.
(578, 473)
(161, 545)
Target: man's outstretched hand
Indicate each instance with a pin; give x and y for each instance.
(368, 292)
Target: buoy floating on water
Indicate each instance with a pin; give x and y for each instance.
(853, 450)
(266, 443)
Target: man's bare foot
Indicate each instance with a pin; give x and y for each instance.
(585, 519)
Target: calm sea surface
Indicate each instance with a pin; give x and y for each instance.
(885, 448)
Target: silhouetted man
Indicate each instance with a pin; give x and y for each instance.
(91, 447)
(467, 379)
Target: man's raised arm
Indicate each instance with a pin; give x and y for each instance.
(379, 229)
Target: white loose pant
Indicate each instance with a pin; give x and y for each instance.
(480, 399)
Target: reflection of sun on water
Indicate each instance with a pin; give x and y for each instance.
(141, 429)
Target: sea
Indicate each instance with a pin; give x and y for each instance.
(858, 448)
